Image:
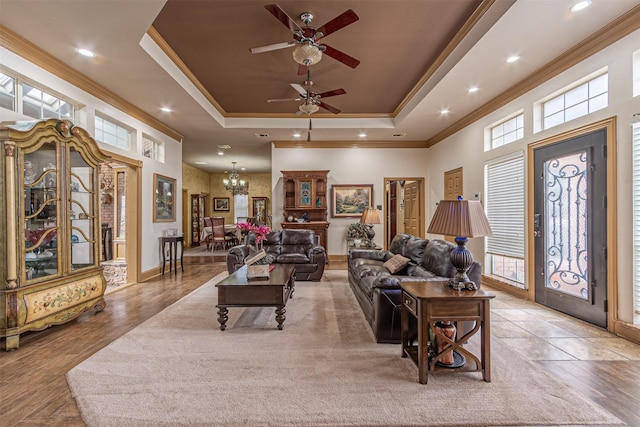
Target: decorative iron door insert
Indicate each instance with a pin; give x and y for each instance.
(570, 227)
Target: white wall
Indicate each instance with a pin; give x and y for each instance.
(85, 115)
(346, 166)
(465, 148)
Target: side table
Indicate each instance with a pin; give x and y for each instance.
(173, 252)
(433, 301)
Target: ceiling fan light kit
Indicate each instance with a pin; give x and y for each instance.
(308, 108)
(307, 54)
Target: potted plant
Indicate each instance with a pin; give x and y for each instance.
(357, 233)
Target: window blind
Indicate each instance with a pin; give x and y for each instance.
(636, 216)
(504, 204)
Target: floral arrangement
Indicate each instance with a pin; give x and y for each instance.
(259, 231)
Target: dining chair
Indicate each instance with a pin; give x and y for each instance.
(208, 231)
(218, 235)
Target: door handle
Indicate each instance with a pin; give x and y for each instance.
(537, 233)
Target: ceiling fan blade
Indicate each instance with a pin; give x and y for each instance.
(341, 56)
(300, 89)
(340, 21)
(284, 99)
(328, 107)
(270, 47)
(302, 69)
(282, 16)
(332, 93)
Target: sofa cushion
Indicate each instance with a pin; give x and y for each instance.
(396, 263)
(414, 249)
(292, 258)
(436, 258)
(398, 242)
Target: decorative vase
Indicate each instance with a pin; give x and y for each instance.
(447, 329)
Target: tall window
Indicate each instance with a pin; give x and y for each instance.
(636, 218)
(152, 149)
(576, 102)
(7, 92)
(504, 204)
(39, 104)
(112, 133)
(240, 206)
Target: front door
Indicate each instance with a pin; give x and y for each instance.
(570, 231)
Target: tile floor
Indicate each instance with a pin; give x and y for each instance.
(542, 334)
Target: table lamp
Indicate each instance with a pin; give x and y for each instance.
(370, 216)
(462, 219)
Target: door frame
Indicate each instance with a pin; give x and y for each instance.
(421, 216)
(609, 125)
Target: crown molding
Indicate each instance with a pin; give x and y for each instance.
(350, 144)
(606, 36)
(43, 59)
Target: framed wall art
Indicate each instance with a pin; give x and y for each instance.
(164, 198)
(259, 209)
(220, 203)
(350, 200)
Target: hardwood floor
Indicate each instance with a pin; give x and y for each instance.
(34, 390)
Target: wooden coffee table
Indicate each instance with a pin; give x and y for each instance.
(238, 291)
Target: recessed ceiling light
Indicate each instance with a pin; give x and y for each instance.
(243, 169)
(362, 135)
(473, 89)
(444, 111)
(513, 58)
(297, 135)
(86, 52)
(166, 109)
(220, 153)
(200, 163)
(583, 4)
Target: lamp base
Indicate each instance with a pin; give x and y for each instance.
(461, 259)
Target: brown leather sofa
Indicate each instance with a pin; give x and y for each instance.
(378, 290)
(298, 247)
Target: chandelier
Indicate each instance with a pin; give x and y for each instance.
(235, 184)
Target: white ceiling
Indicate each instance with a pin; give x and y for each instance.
(537, 30)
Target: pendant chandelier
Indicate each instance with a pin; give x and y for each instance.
(235, 184)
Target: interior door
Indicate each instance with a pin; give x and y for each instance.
(412, 208)
(570, 232)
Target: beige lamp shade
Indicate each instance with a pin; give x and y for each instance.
(370, 216)
(464, 218)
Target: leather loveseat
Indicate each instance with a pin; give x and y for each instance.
(298, 247)
(378, 290)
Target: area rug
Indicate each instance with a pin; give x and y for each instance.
(323, 369)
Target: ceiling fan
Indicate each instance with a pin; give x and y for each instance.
(307, 51)
(312, 100)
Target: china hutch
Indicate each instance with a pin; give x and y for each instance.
(198, 204)
(305, 202)
(49, 199)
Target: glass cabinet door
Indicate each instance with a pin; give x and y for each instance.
(81, 211)
(41, 225)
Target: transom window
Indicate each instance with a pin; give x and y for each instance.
(505, 132)
(576, 102)
(39, 104)
(152, 149)
(7, 92)
(112, 133)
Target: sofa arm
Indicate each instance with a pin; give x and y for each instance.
(235, 257)
(386, 282)
(370, 254)
(317, 255)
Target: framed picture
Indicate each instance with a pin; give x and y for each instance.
(220, 203)
(259, 212)
(349, 201)
(164, 198)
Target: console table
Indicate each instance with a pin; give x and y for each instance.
(173, 249)
(433, 301)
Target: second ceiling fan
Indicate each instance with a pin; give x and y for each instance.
(308, 51)
(312, 100)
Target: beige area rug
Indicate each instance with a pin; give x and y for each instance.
(322, 369)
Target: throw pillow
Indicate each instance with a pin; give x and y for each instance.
(396, 263)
